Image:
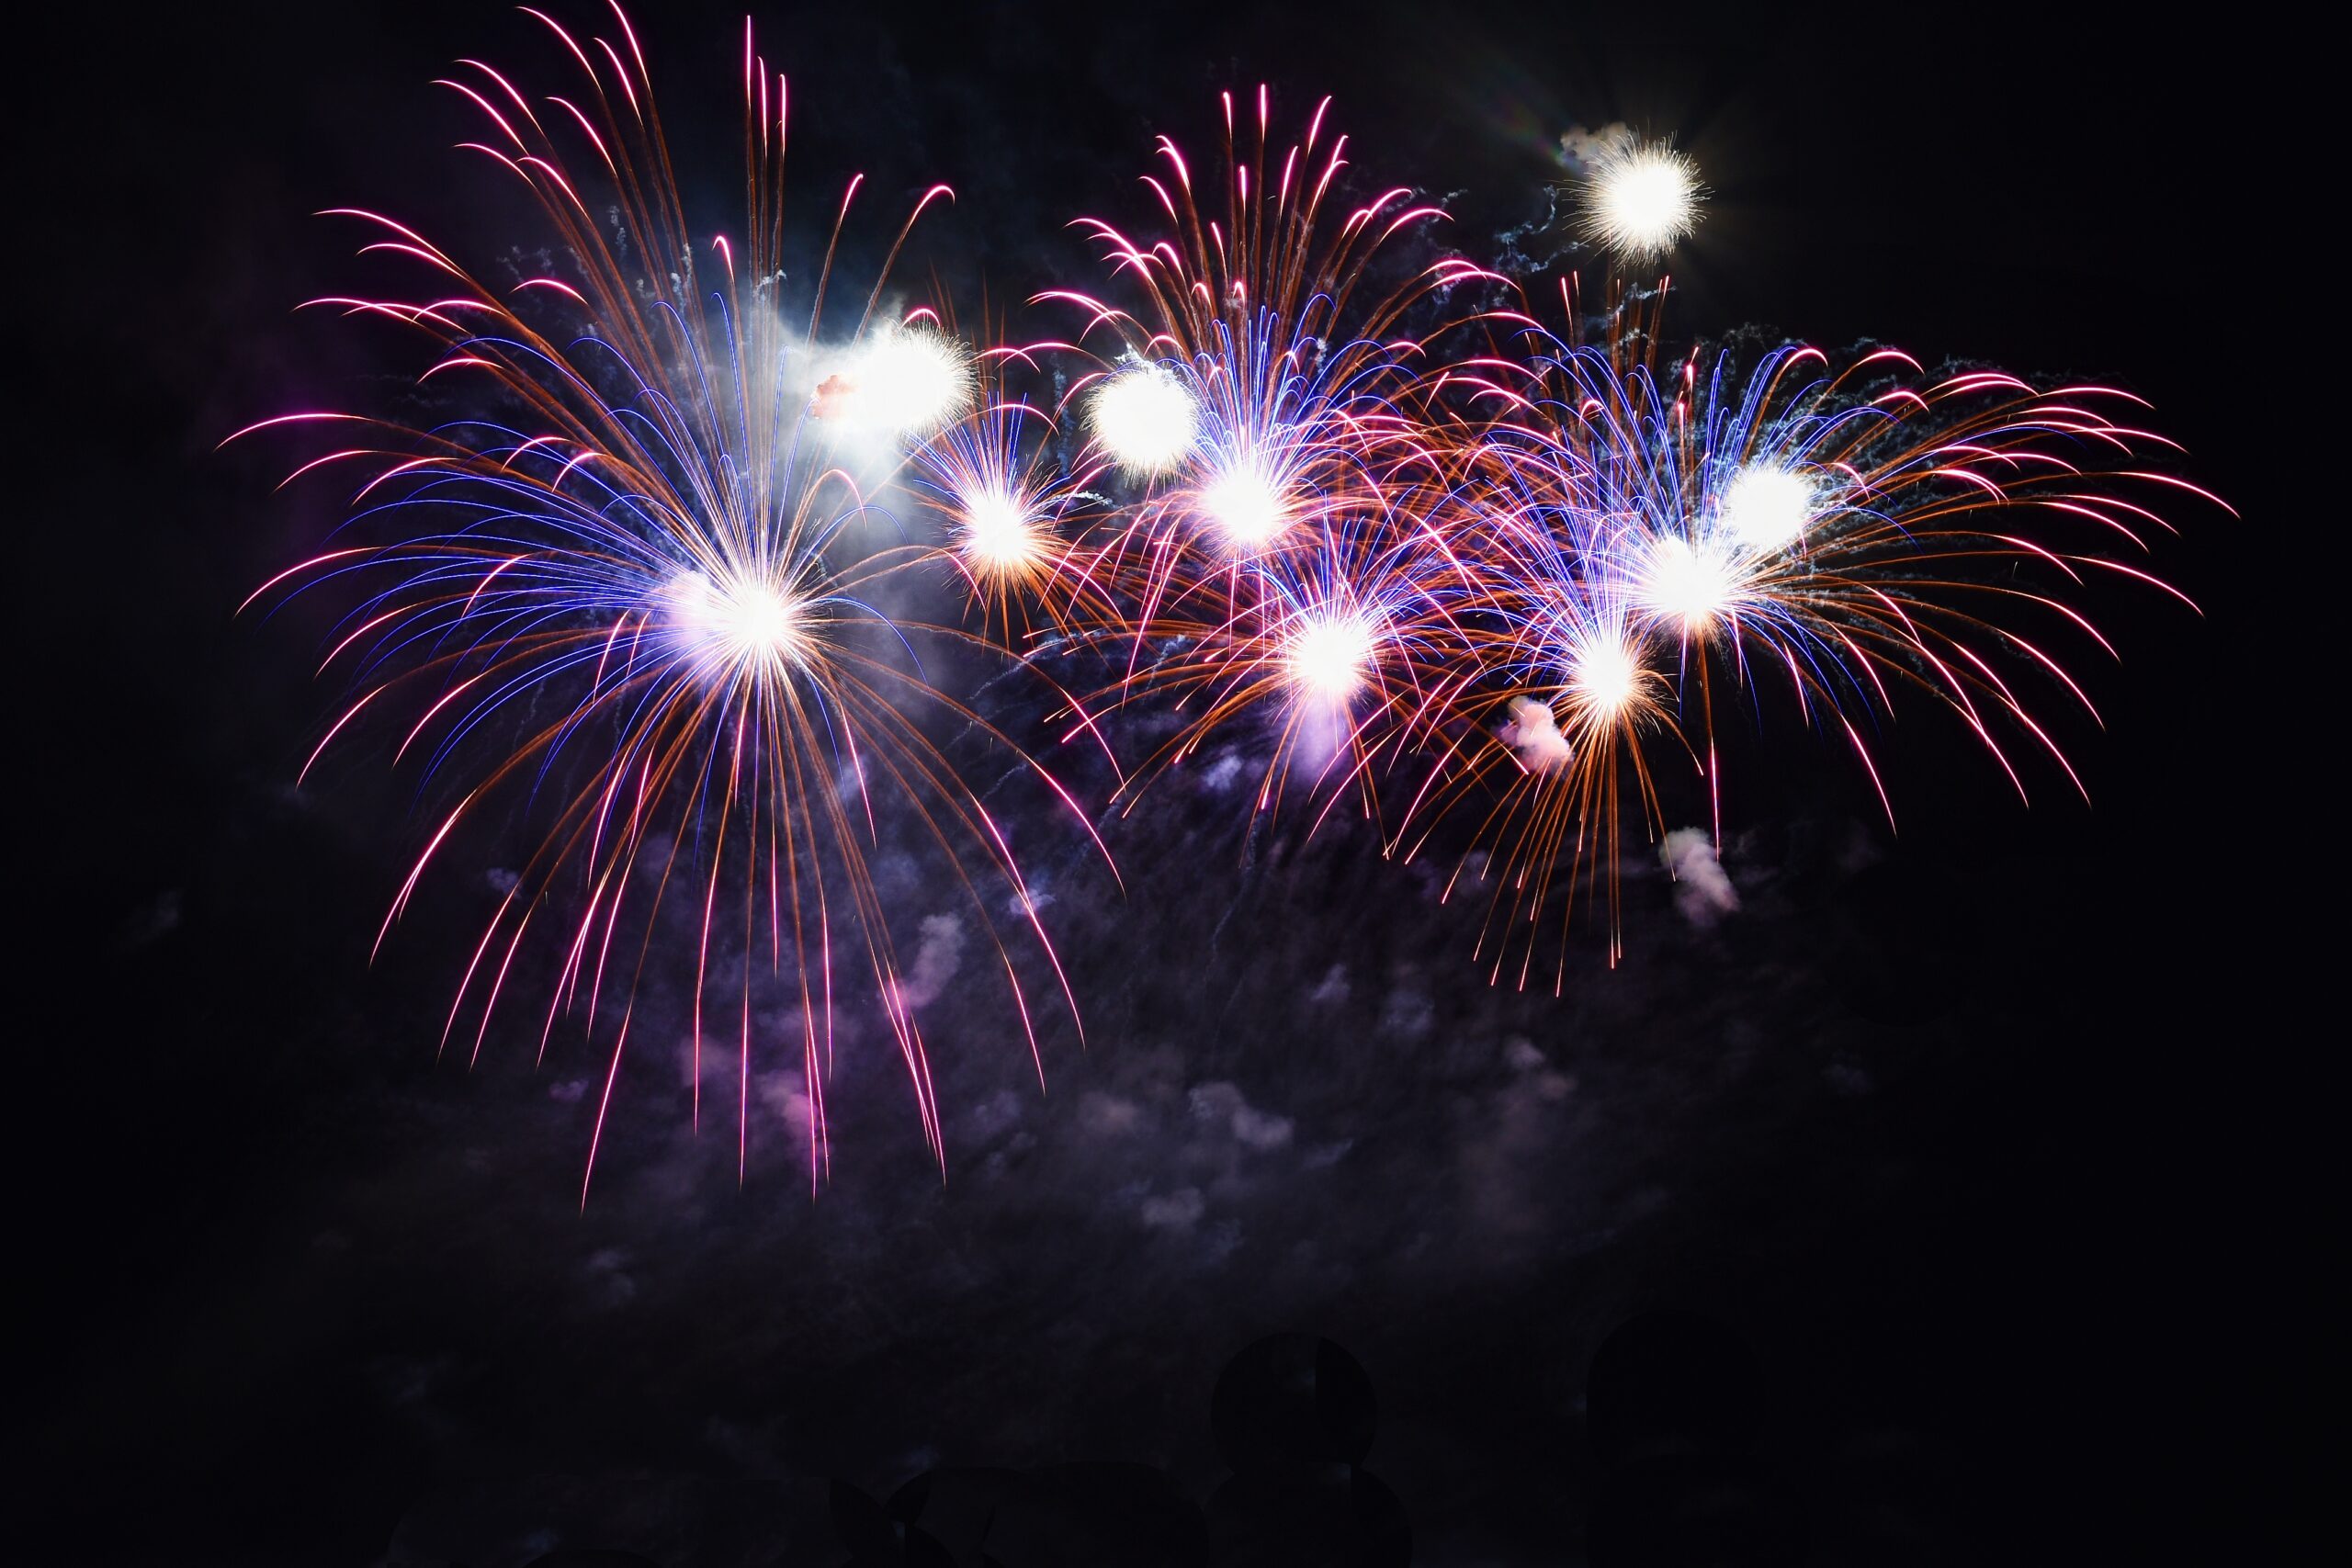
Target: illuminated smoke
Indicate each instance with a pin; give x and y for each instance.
(1536, 736)
(1702, 892)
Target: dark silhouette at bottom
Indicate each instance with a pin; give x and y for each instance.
(1674, 1405)
(1293, 1417)
(1677, 1478)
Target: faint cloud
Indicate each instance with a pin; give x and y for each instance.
(154, 921)
(996, 1115)
(1179, 1211)
(1535, 1070)
(1107, 1115)
(785, 1094)
(1260, 1129)
(938, 958)
(1223, 1104)
(1222, 774)
(609, 1283)
(1408, 1013)
(1326, 1154)
(1846, 1079)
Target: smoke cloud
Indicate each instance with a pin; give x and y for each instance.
(1702, 892)
(1579, 147)
(1536, 736)
(936, 961)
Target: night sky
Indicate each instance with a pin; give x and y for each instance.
(1957, 1183)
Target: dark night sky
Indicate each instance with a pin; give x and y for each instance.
(1980, 1137)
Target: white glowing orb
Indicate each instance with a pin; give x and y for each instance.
(1330, 657)
(1605, 674)
(909, 381)
(1766, 507)
(1693, 587)
(998, 536)
(1246, 503)
(1144, 419)
(1642, 197)
(740, 621)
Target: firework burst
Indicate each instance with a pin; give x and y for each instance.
(1363, 504)
(1018, 525)
(1846, 534)
(663, 541)
(1638, 200)
(1264, 404)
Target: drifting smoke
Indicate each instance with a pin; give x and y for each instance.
(1536, 736)
(1179, 1211)
(1579, 148)
(936, 961)
(1702, 892)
